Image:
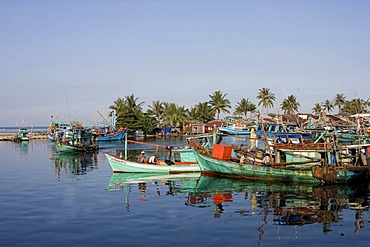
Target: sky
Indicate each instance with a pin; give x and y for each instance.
(72, 59)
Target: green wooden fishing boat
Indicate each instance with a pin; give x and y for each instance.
(311, 173)
(82, 140)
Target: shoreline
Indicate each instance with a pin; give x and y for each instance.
(31, 136)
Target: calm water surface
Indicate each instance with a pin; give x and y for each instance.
(57, 200)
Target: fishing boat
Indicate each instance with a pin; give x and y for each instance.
(22, 135)
(114, 135)
(177, 160)
(234, 126)
(119, 164)
(59, 129)
(304, 162)
(82, 140)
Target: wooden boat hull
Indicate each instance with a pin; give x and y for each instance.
(310, 173)
(61, 148)
(121, 165)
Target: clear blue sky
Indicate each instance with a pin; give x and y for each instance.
(76, 57)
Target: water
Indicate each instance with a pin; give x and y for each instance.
(48, 199)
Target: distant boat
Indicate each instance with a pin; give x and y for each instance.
(58, 129)
(22, 134)
(234, 126)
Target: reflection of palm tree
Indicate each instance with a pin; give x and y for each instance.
(219, 103)
(266, 98)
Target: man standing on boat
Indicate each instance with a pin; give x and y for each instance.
(252, 139)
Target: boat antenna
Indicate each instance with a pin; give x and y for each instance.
(103, 117)
(69, 112)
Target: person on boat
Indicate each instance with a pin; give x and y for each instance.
(141, 158)
(243, 159)
(153, 159)
(266, 160)
(252, 139)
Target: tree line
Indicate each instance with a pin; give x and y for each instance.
(129, 111)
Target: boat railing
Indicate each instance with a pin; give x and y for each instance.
(305, 146)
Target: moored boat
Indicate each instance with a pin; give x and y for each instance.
(82, 140)
(306, 162)
(123, 165)
(114, 135)
(22, 135)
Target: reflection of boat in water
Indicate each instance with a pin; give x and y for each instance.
(286, 203)
(77, 164)
(277, 203)
(118, 180)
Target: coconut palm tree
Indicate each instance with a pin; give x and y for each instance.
(156, 109)
(243, 107)
(174, 115)
(219, 103)
(327, 105)
(290, 105)
(128, 112)
(204, 112)
(355, 106)
(266, 98)
(317, 109)
(339, 101)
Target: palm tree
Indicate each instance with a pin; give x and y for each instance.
(174, 115)
(266, 98)
(243, 107)
(128, 112)
(156, 109)
(317, 109)
(327, 105)
(132, 105)
(290, 105)
(118, 106)
(339, 101)
(355, 106)
(204, 112)
(219, 103)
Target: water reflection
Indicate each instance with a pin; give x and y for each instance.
(76, 164)
(277, 204)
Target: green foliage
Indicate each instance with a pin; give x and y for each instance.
(290, 105)
(219, 103)
(266, 98)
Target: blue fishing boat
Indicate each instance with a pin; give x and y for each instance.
(115, 135)
(233, 126)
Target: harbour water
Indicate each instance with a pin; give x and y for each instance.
(62, 200)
